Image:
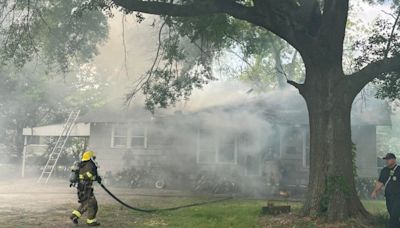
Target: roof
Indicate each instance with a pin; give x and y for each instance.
(116, 111)
(78, 130)
(286, 107)
(289, 107)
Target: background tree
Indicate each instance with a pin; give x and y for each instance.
(29, 97)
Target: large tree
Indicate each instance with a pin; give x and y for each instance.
(316, 29)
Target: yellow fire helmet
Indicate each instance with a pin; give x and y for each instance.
(87, 155)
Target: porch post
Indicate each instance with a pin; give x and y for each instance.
(24, 157)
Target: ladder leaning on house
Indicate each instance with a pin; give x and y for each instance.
(58, 147)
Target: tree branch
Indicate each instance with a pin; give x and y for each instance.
(211, 7)
(373, 71)
(298, 86)
(197, 8)
(392, 34)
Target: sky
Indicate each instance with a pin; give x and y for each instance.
(369, 13)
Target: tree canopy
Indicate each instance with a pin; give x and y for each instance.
(50, 32)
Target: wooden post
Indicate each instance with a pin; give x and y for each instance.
(24, 156)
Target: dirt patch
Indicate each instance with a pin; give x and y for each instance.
(25, 203)
(30, 196)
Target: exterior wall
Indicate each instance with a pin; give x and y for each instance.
(100, 141)
(365, 139)
(282, 158)
(116, 158)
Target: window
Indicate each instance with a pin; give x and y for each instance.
(119, 136)
(138, 136)
(124, 136)
(212, 149)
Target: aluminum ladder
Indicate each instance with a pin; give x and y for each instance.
(58, 147)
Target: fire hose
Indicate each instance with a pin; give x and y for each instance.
(163, 209)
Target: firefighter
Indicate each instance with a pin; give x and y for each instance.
(87, 174)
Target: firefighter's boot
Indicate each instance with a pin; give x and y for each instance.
(75, 217)
(92, 222)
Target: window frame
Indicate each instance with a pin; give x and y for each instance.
(113, 130)
(145, 136)
(128, 137)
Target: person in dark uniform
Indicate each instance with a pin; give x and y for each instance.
(389, 178)
(87, 175)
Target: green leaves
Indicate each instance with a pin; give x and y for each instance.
(49, 32)
(383, 43)
(189, 48)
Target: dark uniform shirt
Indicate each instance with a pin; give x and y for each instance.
(390, 177)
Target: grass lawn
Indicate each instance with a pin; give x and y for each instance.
(232, 213)
(375, 206)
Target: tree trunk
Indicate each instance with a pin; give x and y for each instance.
(331, 189)
(19, 140)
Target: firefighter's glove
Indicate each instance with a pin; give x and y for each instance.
(98, 179)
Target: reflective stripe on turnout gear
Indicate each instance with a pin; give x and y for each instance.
(87, 171)
(90, 175)
(89, 221)
(76, 213)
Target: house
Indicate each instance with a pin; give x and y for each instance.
(258, 142)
